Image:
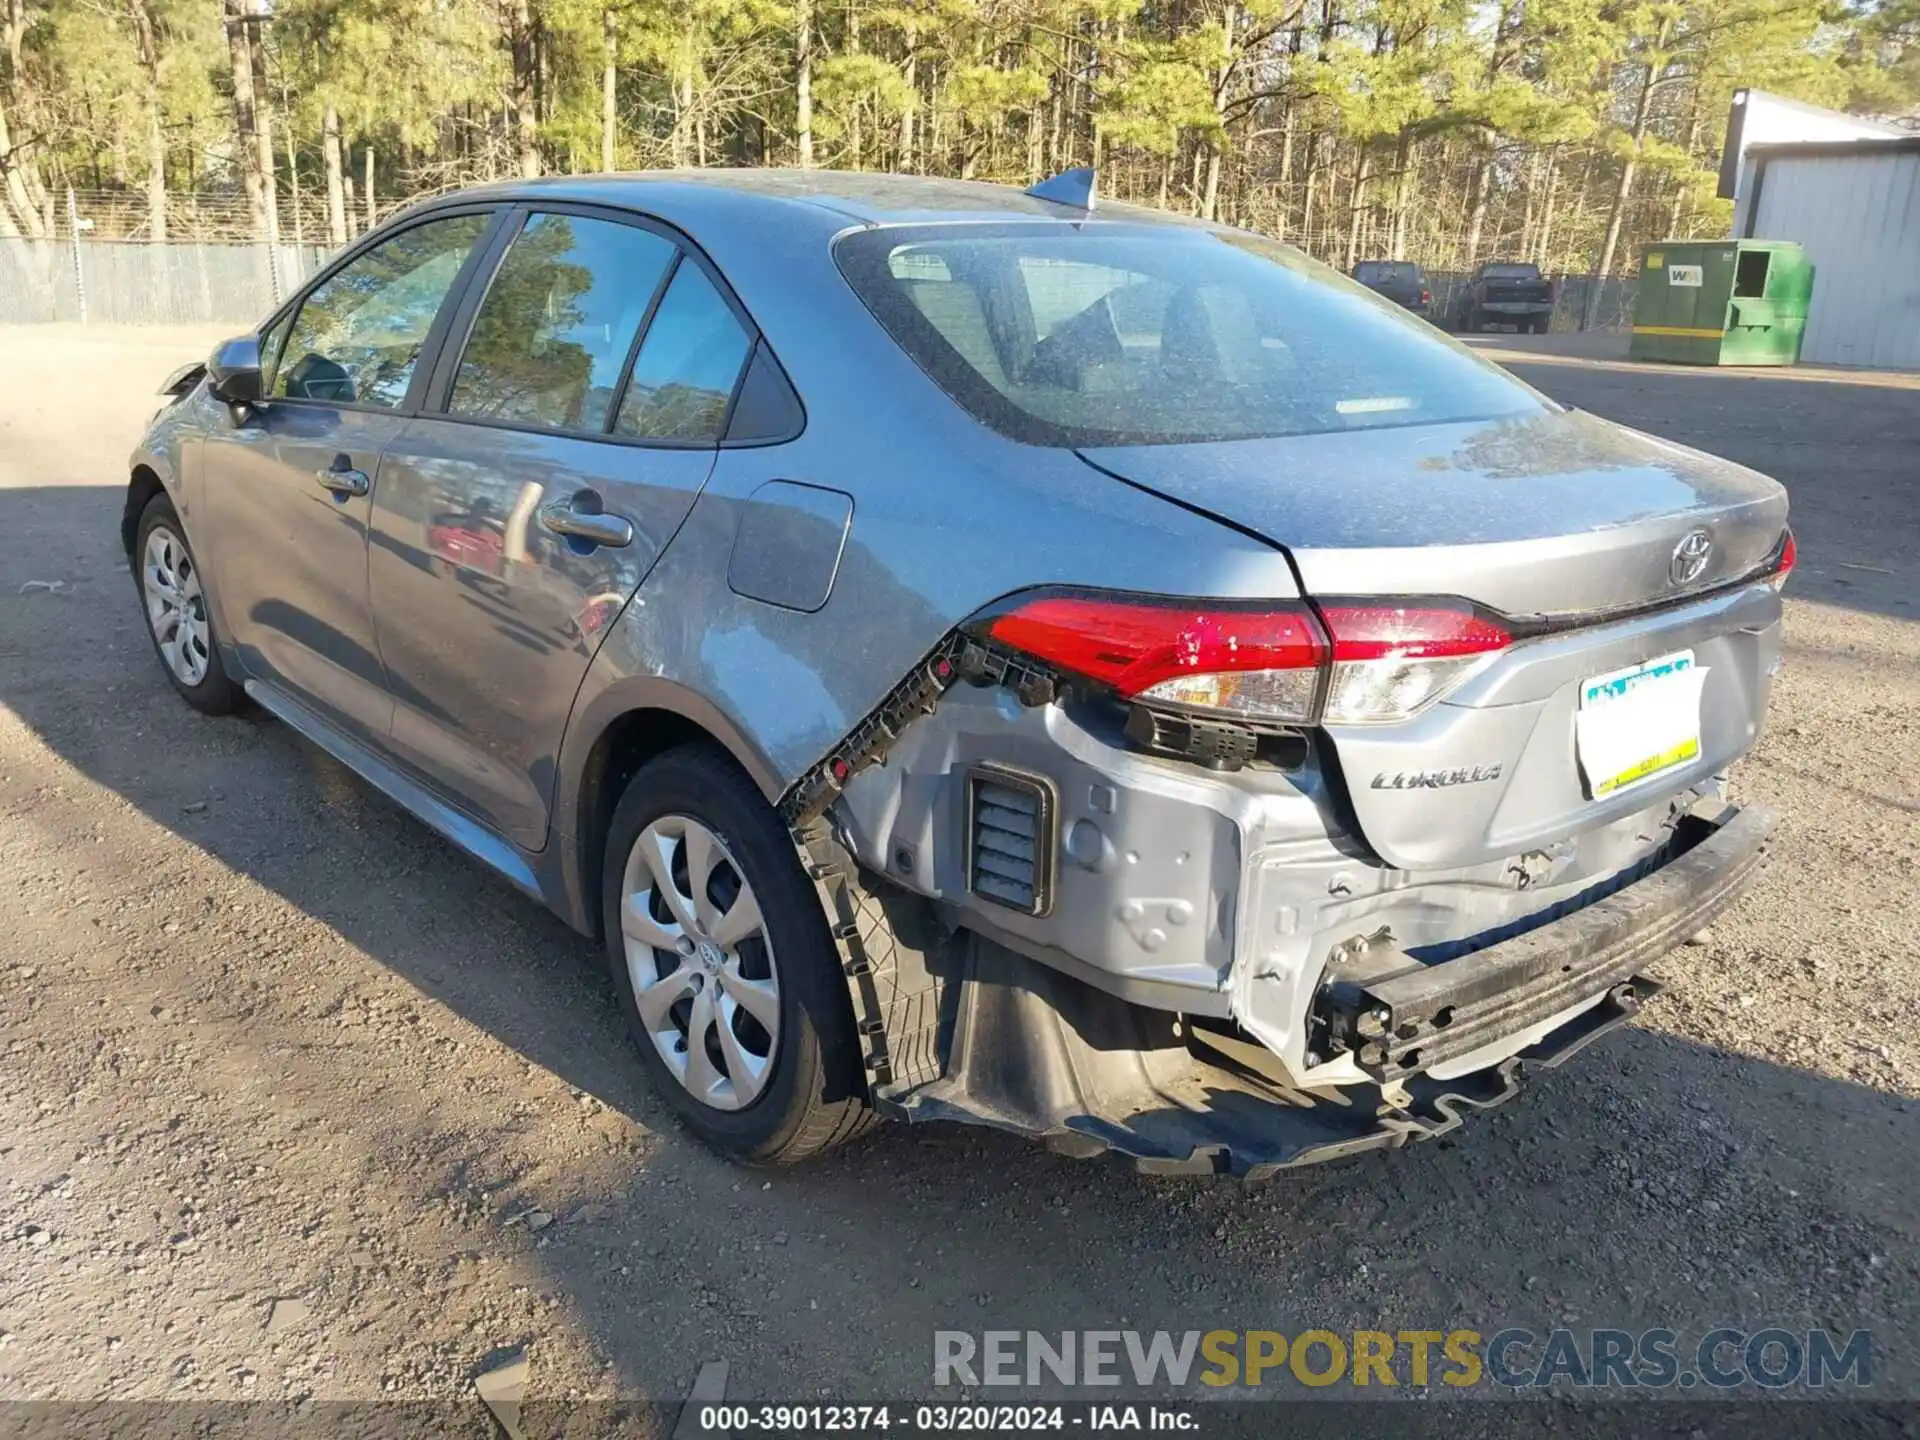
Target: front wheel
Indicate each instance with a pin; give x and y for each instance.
(727, 974)
(178, 620)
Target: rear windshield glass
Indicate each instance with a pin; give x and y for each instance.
(1122, 334)
(1385, 272)
(1512, 272)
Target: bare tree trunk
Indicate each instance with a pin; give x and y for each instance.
(1543, 241)
(1402, 194)
(353, 194)
(1362, 172)
(525, 119)
(913, 87)
(803, 83)
(147, 47)
(293, 184)
(13, 176)
(853, 48)
(336, 190)
(373, 208)
(1313, 175)
(1479, 187)
(1679, 205)
(246, 130)
(1623, 192)
(609, 83)
(682, 103)
(19, 172)
(263, 129)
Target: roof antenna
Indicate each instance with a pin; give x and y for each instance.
(1069, 187)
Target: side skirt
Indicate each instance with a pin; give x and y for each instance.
(410, 795)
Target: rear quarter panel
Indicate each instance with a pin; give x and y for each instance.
(946, 517)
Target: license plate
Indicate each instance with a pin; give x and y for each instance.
(1637, 722)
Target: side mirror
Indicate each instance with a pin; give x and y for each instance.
(233, 370)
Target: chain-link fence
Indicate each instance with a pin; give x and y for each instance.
(128, 283)
(133, 283)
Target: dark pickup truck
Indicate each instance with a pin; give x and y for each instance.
(1401, 281)
(1506, 293)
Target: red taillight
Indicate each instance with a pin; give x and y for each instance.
(1134, 646)
(1426, 297)
(1784, 559)
(1353, 662)
(1381, 632)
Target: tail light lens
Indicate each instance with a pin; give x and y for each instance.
(1261, 663)
(1426, 297)
(1784, 559)
(1373, 662)
(1392, 661)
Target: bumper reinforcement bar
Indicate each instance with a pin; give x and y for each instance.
(1428, 1014)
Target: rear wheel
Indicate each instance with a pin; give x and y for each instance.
(178, 620)
(729, 980)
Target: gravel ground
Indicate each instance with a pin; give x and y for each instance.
(296, 1102)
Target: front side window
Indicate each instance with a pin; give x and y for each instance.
(684, 375)
(1118, 334)
(357, 337)
(553, 333)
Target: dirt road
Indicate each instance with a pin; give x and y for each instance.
(296, 1102)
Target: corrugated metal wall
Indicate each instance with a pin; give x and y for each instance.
(1859, 219)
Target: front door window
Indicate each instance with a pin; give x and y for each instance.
(357, 337)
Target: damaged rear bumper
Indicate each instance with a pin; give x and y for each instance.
(1034, 1052)
(1419, 1017)
(1024, 1047)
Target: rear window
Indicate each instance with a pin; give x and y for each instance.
(1123, 334)
(1511, 272)
(1385, 272)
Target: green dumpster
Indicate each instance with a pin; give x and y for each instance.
(1721, 302)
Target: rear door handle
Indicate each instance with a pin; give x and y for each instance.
(343, 480)
(567, 518)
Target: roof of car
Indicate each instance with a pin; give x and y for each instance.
(860, 196)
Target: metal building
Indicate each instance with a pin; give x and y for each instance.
(1854, 204)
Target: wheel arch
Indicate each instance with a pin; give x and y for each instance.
(621, 729)
(142, 485)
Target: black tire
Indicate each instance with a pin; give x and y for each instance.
(815, 1097)
(215, 693)
(1540, 324)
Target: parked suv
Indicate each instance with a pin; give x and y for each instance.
(1401, 281)
(1506, 293)
(973, 656)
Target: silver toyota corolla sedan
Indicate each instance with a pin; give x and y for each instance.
(984, 655)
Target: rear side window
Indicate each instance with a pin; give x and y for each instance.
(559, 318)
(1119, 334)
(357, 337)
(685, 373)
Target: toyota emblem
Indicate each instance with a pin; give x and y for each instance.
(1690, 557)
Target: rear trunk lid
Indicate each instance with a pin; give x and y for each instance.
(1551, 513)
(1557, 520)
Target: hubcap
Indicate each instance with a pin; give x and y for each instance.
(701, 962)
(176, 610)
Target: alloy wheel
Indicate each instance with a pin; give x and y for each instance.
(705, 981)
(176, 607)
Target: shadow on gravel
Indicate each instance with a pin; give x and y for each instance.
(1652, 1182)
(1843, 447)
